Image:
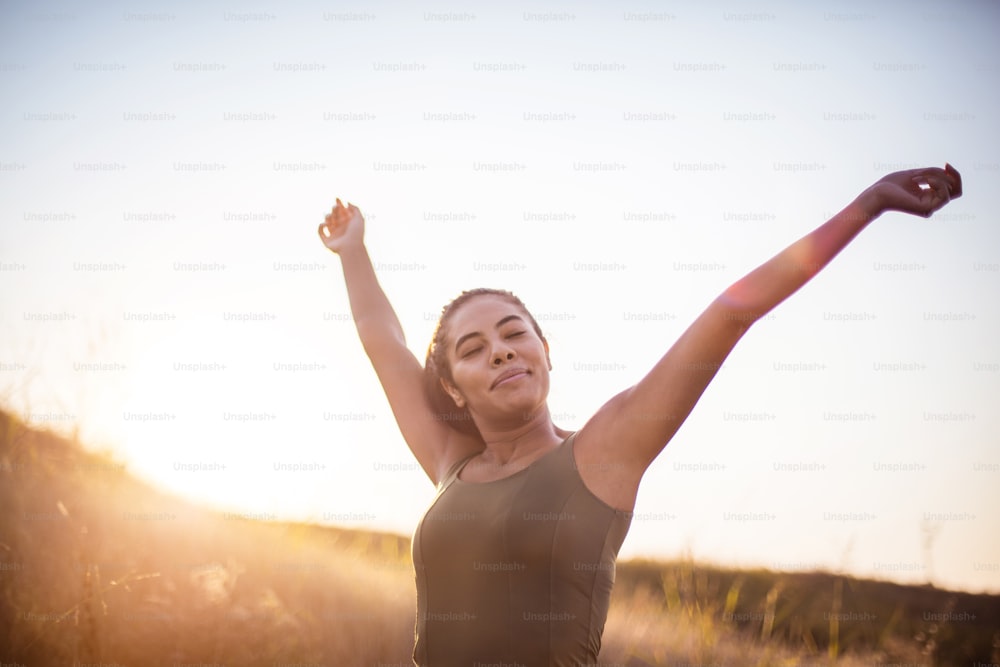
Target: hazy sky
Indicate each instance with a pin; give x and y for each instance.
(163, 169)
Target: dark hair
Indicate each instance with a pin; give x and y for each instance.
(436, 366)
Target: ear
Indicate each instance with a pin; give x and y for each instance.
(545, 343)
(453, 391)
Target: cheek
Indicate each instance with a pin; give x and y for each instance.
(462, 377)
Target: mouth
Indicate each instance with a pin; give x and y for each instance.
(509, 375)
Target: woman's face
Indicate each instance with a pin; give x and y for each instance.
(499, 365)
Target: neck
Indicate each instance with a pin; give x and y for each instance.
(506, 444)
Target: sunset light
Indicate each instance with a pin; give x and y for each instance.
(167, 302)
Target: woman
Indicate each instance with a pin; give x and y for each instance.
(515, 558)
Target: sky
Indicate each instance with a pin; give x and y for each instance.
(163, 292)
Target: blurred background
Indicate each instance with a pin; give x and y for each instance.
(164, 296)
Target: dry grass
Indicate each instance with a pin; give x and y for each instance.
(96, 568)
(713, 616)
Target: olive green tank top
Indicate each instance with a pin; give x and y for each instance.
(515, 571)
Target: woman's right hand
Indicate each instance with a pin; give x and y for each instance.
(344, 228)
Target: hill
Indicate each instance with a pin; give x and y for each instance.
(98, 568)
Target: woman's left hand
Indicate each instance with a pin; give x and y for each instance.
(916, 191)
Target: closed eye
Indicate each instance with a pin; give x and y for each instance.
(515, 334)
(471, 352)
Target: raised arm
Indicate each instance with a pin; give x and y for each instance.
(917, 191)
(629, 431)
(433, 443)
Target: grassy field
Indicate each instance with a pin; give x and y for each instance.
(98, 569)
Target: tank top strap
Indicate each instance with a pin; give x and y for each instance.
(568, 443)
(452, 474)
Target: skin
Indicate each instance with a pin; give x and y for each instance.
(616, 446)
(489, 338)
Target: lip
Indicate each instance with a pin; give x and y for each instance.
(506, 375)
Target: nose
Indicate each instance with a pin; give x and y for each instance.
(498, 357)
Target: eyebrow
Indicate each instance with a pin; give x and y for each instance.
(499, 324)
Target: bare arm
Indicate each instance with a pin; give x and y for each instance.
(754, 295)
(629, 431)
(377, 324)
(432, 442)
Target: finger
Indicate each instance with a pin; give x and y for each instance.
(928, 180)
(939, 184)
(927, 172)
(934, 203)
(323, 228)
(948, 176)
(956, 180)
(935, 181)
(920, 188)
